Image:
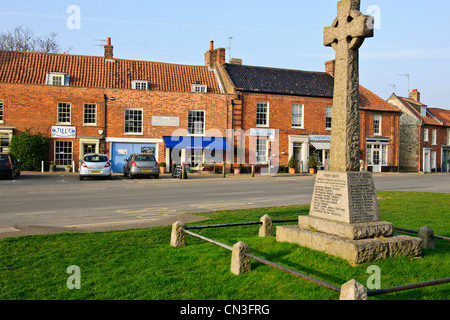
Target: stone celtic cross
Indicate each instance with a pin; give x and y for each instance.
(346, 35)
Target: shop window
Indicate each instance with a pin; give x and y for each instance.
(261, 150)
(63, 153)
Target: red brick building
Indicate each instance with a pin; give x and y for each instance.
(424, 144)
(103, 104)
(298, 105)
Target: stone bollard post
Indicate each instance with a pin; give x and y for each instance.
(426, 234)
(240, 263)
(178, 237)
(266, 229)
(353, 290)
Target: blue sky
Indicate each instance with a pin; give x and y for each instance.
(412, 36)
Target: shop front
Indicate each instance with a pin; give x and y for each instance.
(320, 148)
(378, 154)
(194, 150)
(122, 148)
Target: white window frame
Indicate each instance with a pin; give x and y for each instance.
(377, 125)
(298, 114)
(199, 88)
(57, 79)
(262, 115)
(140, 85)
(93, 115)
(425, 135)
(329, 118)
(60, 159)
(2, 111)
(131, 123)
(262, 146)
(423, 111)
(194, 127)
(434, 137)
(62, 115)
(448, 137)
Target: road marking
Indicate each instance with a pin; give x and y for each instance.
(107, 223)
(34, 213)
(6, 230)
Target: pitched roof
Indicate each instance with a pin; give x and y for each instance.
(280, 81)
(90, 71)
(370, 101)
(296, 82)
(442, 114)
(413, 106)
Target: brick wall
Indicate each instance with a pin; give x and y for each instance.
(33, 108)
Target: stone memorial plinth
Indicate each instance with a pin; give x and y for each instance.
(344, 221)
(345, 218)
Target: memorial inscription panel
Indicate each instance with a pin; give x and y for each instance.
(345, 197)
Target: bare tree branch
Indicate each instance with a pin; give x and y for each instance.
(24, 39)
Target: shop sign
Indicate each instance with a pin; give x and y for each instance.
(64, 132)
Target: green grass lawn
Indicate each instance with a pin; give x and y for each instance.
(141, 265)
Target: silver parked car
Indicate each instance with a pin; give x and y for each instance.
(95, 165)
(141, 164)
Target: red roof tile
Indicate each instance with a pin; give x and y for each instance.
(442, 114)
(410, 104)
(89, 71)
(370, 101)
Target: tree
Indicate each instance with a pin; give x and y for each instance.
(30, 149)
(24, 39)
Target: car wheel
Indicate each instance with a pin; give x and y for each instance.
(81, 177)
(130, 175)
(11, 176)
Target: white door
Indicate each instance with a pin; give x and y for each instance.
(426, 165)
(376, 158)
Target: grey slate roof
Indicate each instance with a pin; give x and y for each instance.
(281, 81)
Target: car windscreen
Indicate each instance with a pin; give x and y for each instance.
(4, 157)
(145, 158)
(96, 159)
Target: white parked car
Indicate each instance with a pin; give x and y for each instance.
(95, 165)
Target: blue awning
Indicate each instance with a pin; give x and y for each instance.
(201, 143)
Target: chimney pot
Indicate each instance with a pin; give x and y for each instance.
(211, 45)
(109, 55)
(415, 95)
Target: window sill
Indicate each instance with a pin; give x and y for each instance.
(63, 124)
(133, 134)
(90, 125)
(299, 128)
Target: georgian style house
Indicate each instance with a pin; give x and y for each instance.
(298, 106)
(423, 135)
(103, 104)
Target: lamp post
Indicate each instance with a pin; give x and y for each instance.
(105, 109)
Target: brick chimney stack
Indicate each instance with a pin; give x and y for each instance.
(330, 66)
(415, 95)
(109, 50)
(214, 56)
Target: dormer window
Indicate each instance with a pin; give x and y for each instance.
(423, 112)
(140, 85)
(57, 79)
(199, 88)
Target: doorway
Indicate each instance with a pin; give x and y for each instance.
(376, 158)
(298, 148)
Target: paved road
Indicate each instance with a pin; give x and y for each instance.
(41, 203)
